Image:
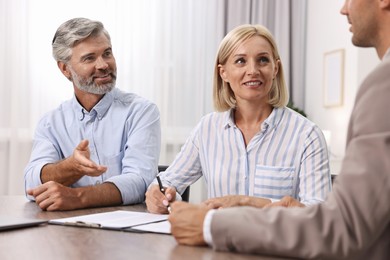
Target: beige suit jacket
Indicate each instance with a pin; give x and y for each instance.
(354, 221)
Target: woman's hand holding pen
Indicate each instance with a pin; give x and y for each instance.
(157, 201)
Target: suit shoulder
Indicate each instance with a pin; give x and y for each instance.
(372, 102)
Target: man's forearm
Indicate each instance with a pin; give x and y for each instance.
(106, 194)
(53, 196)
(61, 172)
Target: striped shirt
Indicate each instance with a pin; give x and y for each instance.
(288, 156)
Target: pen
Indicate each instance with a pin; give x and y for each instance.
(162, 189)
(160, 184)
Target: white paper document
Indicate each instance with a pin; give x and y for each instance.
(119, 219)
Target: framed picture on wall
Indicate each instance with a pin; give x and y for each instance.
(334, 78)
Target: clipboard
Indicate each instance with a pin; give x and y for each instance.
(122, 220)
(161, 227)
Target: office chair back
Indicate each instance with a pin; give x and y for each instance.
(186, 194)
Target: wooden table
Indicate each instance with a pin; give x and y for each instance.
(65, 242)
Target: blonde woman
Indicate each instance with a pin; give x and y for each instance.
(253, 150)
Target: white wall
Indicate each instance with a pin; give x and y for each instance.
(328, 30)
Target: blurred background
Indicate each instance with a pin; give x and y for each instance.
(165, 52)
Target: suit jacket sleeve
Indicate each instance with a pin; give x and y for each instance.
(354, 221)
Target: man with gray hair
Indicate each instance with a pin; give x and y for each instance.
(101, 147)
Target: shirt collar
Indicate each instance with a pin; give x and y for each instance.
(271, 121)
(229, 118)
(100, 109)
(275, 117)
(387, 54)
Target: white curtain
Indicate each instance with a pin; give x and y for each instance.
(165, 51)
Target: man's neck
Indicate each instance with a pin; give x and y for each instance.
(87, 100)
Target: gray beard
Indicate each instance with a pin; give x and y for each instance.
(87, 85)
(95, 89)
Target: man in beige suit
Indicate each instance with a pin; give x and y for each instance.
(354, 221)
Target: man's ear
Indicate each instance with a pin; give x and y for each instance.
(222, 73)
(385, 4)
(64, 69)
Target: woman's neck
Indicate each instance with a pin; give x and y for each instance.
(249, 116)
(249, 119)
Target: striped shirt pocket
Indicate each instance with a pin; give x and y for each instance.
(273, 182)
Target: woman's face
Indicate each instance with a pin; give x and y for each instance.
(250, 70)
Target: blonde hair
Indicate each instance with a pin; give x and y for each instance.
(223, 96)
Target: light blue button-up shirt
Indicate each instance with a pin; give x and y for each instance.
(124, 134)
